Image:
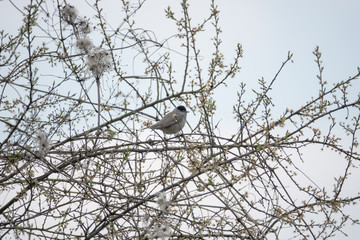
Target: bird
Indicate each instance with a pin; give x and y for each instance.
(172, 122)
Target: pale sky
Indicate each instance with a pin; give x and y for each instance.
(267, 29)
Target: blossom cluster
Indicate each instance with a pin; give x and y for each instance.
(84, 44)
(99, 61)
(69, 13)
(160, 229)
(81, 26)
(43, 144)
(162, 201)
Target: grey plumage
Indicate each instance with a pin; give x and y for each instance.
(172, 122)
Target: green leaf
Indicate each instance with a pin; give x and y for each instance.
(259, 147)
(211, 182)
(111, 134)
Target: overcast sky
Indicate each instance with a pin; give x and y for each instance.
(267, 29)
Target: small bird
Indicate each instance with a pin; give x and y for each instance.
(172, 122)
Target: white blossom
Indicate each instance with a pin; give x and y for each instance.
(162, 201)
(145, 221)
(83, 26)
(162, 231)
(84, 44)
(69, 13)
(44, 144)
(99, 61)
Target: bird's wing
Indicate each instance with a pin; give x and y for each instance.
(168, 120)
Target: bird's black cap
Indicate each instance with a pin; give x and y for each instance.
(181, 108)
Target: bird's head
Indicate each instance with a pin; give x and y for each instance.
(181, 109)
